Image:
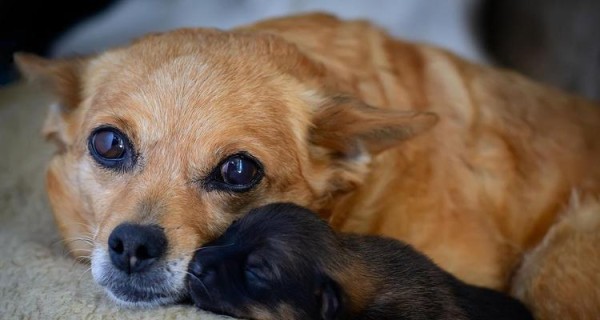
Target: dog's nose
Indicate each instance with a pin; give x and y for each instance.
(204, 265)
(134, 248)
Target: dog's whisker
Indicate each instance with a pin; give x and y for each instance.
(76, 252)
(68, 241)
(89, 269)
(202, 248)
(213, 247)
(66, 252)
(88, 251)
(87, 226)
(82, 259)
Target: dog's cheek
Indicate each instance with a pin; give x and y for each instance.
(293, 180)
(105, 198)
(73, 221)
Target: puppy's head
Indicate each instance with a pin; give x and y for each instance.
(270, 264)
(161, 144)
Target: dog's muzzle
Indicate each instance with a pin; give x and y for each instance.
(134, 270)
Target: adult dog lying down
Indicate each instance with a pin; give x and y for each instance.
(163, 143)
(281, 261)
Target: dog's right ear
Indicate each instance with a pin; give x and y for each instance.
(62, 77)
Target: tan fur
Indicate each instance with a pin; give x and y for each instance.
(281, 311)
(360, 293)
(564, 266)
(475, 193)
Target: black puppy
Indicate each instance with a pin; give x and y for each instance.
(283, 262)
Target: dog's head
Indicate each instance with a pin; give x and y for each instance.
(273, 263)
(161, 144)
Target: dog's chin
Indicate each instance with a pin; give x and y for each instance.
(163, 284)
(142, 300)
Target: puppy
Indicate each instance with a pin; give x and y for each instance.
(164, 142)
(281, 261)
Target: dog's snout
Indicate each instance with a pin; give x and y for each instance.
(196, 267)
(205, 264)
(134, 248)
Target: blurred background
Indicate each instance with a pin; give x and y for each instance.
(554, 41)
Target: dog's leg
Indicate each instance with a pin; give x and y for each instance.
(560, 278)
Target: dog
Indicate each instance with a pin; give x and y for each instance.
(166, 141)
(281, 261)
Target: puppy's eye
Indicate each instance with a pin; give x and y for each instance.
(254, 274)
(257, 272)
(109, 147)
(238, 173)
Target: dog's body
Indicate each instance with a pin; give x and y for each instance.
(281, 261)
(290, 99)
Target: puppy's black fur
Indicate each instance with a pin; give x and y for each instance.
(283, 262)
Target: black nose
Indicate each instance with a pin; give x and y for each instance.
(134, 247)
(204, 265)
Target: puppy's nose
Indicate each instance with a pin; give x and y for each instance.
(196, 267)
(203, 266)
(134, 248)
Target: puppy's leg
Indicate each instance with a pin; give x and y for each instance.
(560, 278)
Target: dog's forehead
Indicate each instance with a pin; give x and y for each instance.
(194, 55)
(181, 81)
(194, 92)
(187, 93)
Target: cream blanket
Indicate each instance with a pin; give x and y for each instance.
(38, 280)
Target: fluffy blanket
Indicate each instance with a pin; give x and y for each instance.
(38, 279)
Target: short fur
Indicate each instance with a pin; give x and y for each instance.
(283, 257)
(338, 113)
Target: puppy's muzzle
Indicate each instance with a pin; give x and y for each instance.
(204, 266)
(135, 248)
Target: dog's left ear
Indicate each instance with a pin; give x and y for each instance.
(62, 78)
(347, 126)
(330, 299)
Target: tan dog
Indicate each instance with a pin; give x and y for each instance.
(172, 137)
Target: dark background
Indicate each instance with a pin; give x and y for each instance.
(32, 26)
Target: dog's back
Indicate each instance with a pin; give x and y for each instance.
(490, 178)
(409, 284)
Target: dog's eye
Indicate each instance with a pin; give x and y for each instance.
(109, 147)
(238, 173)
(108, 144)
(254, 274)
(257, 272)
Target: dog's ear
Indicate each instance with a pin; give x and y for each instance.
(62, 78)
(330, 299)
(348, 127)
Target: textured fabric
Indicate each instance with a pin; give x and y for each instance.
(38, 280)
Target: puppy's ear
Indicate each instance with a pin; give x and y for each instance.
(330, 299)
(63, 79)
(347, 127)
